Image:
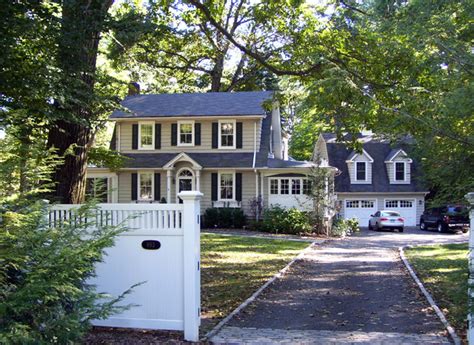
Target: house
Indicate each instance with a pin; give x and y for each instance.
(229, 146)
(381, 176)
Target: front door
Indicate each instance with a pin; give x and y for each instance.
(185, 182)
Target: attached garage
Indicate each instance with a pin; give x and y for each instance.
(361, 209)
(406, 207)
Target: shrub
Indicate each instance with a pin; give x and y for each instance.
(342, 227)
(225, 217)
(45, 296)
(288, 221)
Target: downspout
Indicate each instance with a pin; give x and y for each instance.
(254, 144)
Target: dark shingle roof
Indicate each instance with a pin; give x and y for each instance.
(338, 154)
(279, 163)
(195, 104)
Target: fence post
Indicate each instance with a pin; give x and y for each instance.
(192, 270)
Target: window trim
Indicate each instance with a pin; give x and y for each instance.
(185, 122)
(412, 200)
(219, 173)
(139, 180)
(404, 171)
(290, 185)
(234, 134)
(366, 171)
(147, 147)
(108, 185)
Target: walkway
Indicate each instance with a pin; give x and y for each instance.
(350, 291)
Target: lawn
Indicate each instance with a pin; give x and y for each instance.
(444, 272)
(234, 267)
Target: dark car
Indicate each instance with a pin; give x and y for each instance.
(445, 218)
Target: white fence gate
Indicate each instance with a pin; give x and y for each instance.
(162, 249)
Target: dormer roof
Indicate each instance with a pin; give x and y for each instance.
(195, 104)
(394, 153)
(354, 154)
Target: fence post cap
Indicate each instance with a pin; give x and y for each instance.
(470, 197)
(190, 195)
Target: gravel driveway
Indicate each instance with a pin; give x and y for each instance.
(354, 290)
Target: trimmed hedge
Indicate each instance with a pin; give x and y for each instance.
(286, 221)
(224, 218)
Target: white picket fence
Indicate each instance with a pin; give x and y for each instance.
(169, 298)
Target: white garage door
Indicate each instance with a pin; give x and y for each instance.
(406, 207)
(361, 209)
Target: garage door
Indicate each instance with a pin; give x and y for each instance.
(406, 207)
(361, 209)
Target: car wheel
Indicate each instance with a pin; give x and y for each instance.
(370, 226)
(465, 230)
(400, 230)
(422, 225)
(440, 227)
(377, 227)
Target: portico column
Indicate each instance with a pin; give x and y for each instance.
(198, 180)
(168, 186)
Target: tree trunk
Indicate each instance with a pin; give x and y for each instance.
(72, 133)
(216, 75)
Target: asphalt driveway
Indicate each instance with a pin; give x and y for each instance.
(351, 290)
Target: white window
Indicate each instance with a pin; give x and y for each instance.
(146, 135)
(145, 183)
(391, 203)
(296, 186)
(399, 171)
(352, 203)
(97, 188)
(226, 186)
(227, 134)
(360, 171)
(367, 204)
(306, 186)
(285, 186)
(186, 133)
(406, 203)
(273, 186)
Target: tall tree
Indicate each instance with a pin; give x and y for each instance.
(175, 48)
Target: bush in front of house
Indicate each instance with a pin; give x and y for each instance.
(44, 274)
(342, 227)
(285, 221)
(225, 217)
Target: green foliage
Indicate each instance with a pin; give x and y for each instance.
(342, 227)
(43, 276)
(104, 157)
(286, 221)
(225, 217)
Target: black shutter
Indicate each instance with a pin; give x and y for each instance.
(157, 136)
(113, 142)
(174, 134)
(214, 186)
(239, 135)
(215, 134)
(157, 186)
(134, 186)
(135, 137)
(197, 134)
(238, 186)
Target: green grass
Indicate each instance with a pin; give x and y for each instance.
(234, 267)
(444, 272)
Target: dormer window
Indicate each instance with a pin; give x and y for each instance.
(227, 134)
(146, 135)
(361, 171)
(399, 171)
(186, 133)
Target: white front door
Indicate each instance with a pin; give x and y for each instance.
(406, 208)
(361, 209)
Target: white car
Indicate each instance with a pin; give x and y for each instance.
(386, 219)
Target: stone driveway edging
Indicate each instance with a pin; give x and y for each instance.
(431, 301)
(249, 300)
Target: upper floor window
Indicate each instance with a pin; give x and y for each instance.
(145, 181)
(226, 186)
(227, 134)
(361, 171)
(186, 133)
(399, 171)
(146, 135)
